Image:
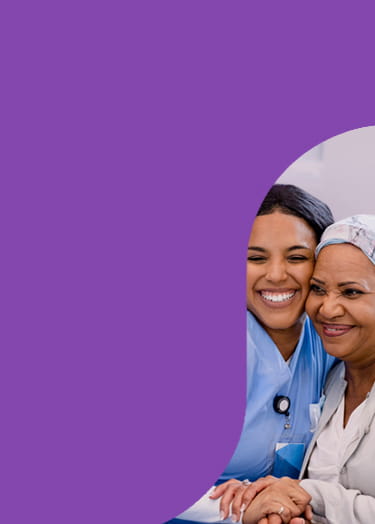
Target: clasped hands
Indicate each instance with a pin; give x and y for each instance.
(268, 500)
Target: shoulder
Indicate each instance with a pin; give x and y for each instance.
(252, 321)
(255, 332)
(254, 335)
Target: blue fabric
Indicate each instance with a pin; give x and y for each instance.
(269, 375)
(180, 521)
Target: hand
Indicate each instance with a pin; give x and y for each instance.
(276, 519)
(235, 492)
(280, 502)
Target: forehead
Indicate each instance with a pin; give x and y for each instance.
(343, 262)
(280, 229)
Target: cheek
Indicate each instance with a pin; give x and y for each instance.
(250, 278)
(304, 278)
(369, 315)
(312, 305)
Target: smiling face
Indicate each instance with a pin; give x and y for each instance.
(279, 266)
(342, 303)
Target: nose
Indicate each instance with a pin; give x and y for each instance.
(276, 271)
(331, 306)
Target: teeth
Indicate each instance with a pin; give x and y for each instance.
(335, 330)
(278, 297)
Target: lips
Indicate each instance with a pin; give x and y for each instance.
(336, 330)
(277, 297)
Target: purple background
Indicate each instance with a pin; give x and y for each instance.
(137, 140)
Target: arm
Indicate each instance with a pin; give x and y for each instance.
(338, 504)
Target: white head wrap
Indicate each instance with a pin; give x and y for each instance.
(358, 230)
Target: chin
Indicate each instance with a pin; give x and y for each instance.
(286, 320)
(279, 324)
(282, 327)
(272, 316)
(333, 347)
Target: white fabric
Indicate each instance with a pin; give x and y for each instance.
(351, 499)
(205, 510)
(332, 444)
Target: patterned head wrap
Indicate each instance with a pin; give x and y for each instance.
(358, 230)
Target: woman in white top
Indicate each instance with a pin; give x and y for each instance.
(338, 474)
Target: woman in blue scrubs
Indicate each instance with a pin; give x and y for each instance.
(286, 363)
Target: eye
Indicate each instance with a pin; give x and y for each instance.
(317, 290)
(352, 293)
(297, 258)
(257, 259)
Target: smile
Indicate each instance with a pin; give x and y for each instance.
(335, 330)
(277, 297)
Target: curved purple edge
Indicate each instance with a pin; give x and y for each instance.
(138, 141)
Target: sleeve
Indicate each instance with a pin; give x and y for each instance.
(338, 504)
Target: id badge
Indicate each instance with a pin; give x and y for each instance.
(288, 459)
(315, 411)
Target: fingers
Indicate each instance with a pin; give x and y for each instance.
(244, 495)
(237, 504)
(274, 519)
(281, 502)
(290, 510)
(220, 490)
(255, 488)
(296, 493)
(276, 510)
(308, 512)
(286, 493)
(226, 491)
(282, 510)
(231, 489)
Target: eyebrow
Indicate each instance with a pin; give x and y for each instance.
(291, 248)
(349, 282)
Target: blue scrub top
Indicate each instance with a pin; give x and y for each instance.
(268, 375)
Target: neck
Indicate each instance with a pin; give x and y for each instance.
(360, 377)
(286, 340)
(360, 380)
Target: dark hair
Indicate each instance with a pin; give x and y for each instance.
(292, 200)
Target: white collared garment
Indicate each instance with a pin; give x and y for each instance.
(351, 498)
(327, 457)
